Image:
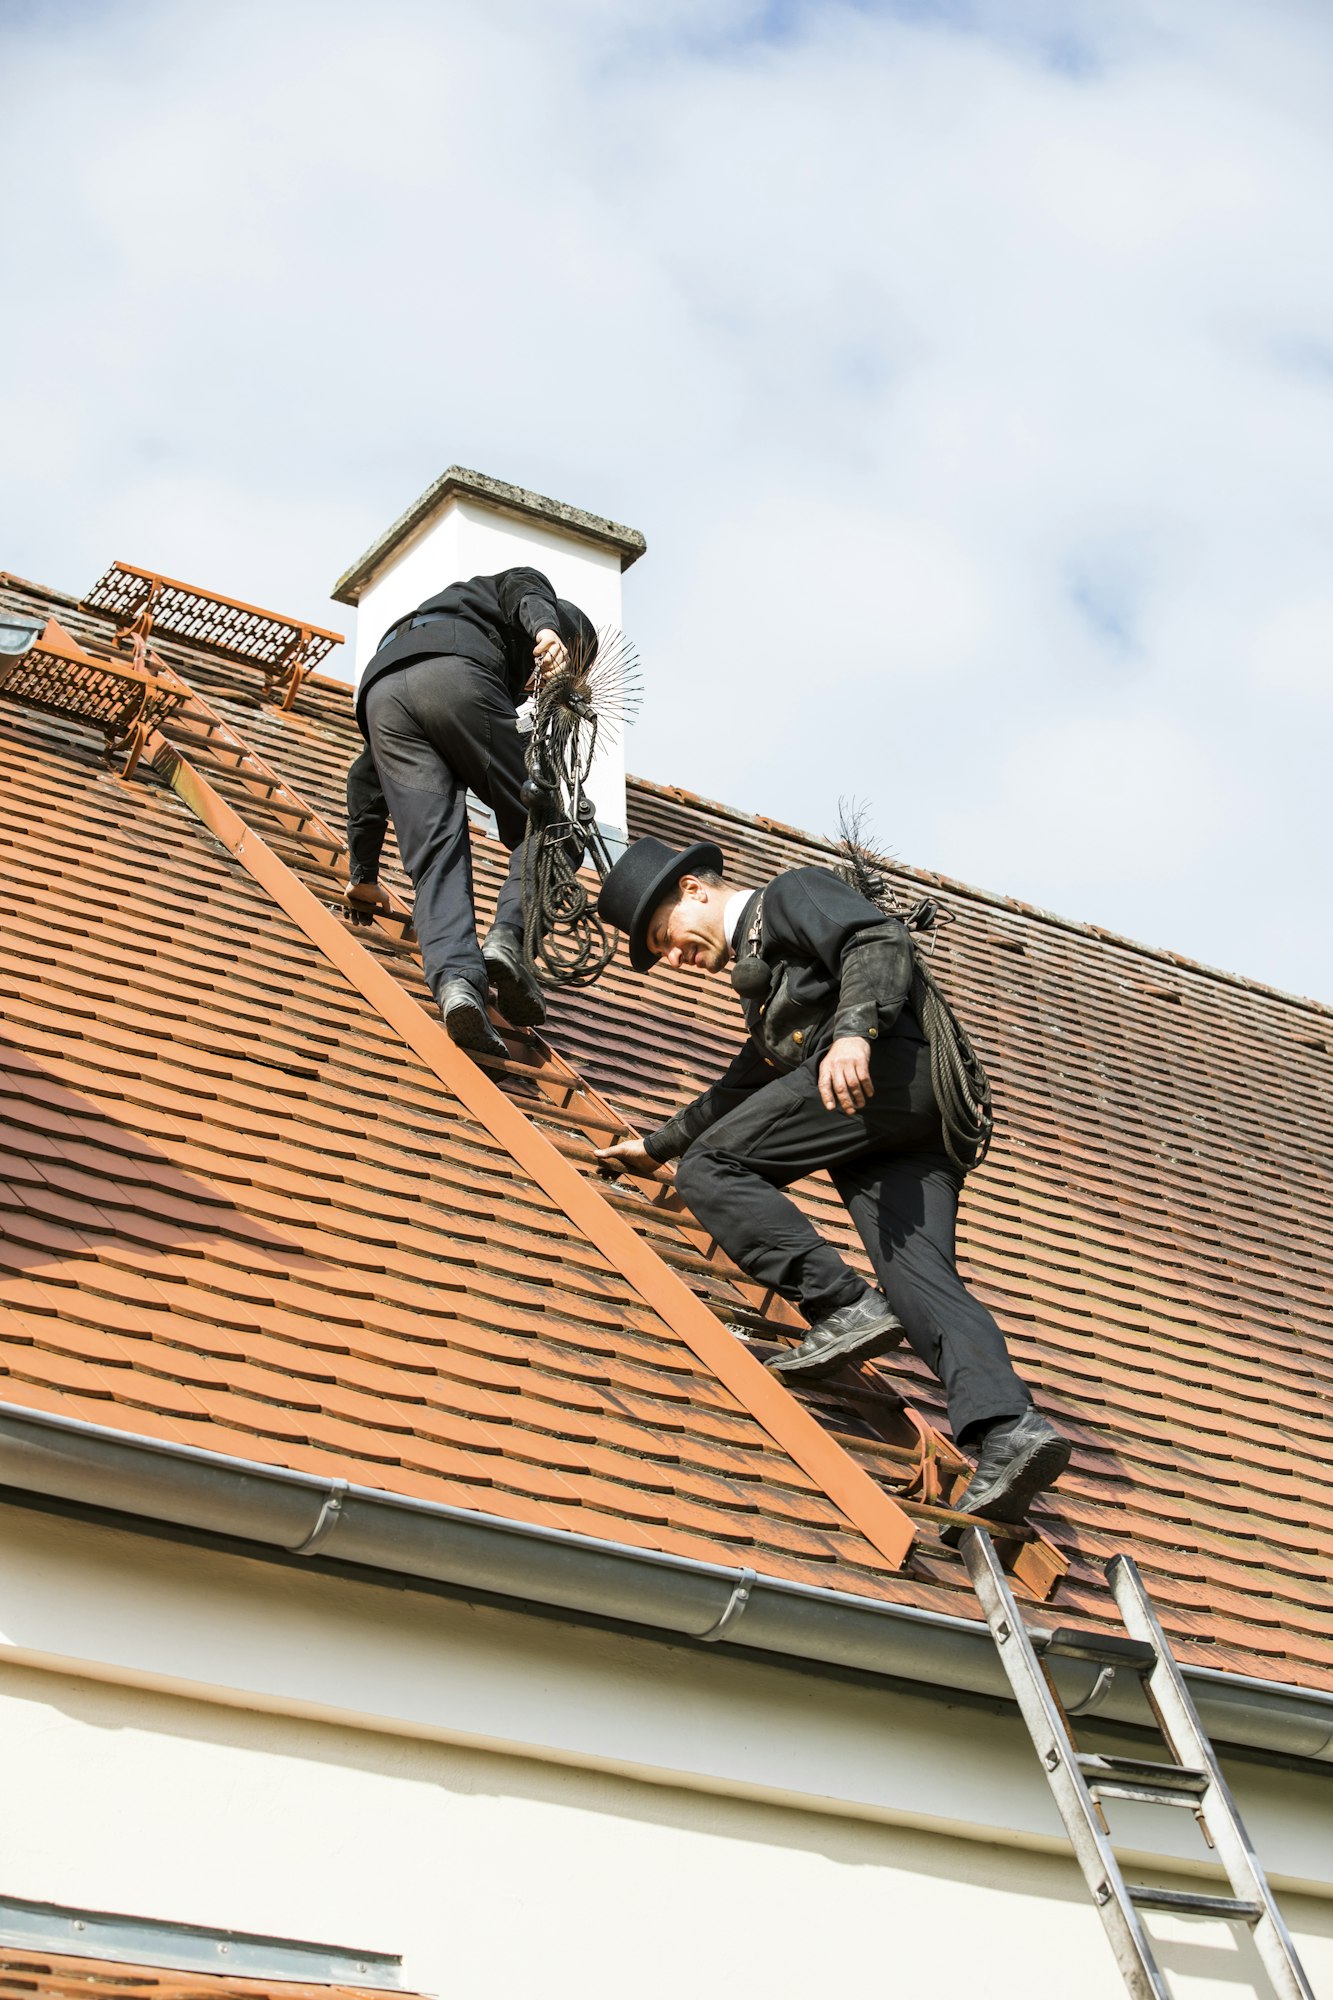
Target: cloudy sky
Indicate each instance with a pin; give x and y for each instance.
(969, 368)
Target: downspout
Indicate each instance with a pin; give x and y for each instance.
(68, 1459)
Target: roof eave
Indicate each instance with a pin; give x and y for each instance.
(69, 1460)
(611, 536)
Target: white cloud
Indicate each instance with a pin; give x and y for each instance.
(1293, 650)
(1095, 804)
(972, 378)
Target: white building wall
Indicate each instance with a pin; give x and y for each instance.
(208, 1739)
(468, 538)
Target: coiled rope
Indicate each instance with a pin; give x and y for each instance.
(957, 1073)
(962, 1088)
(564, 939)
(562, 932)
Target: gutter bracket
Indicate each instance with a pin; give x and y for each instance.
(1101, 1687)
(329, 1516)
(736, 1604)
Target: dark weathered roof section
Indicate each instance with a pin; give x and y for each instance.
(627, 543)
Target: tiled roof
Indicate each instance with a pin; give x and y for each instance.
(240, 1210)
(61, 1976)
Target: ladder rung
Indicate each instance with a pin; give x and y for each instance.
(282, 810)
(195, 729)
(1186, 1903)
(551, 1077)
(1106, 1649)
(403, 918)
(240, 794)
(1138, 1778)
(949, 1517)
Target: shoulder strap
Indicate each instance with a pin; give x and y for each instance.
(751, 976)
(754, 936)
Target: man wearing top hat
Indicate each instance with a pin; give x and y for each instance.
(437, 706)
(836, 1074)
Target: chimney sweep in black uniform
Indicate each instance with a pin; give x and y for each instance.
(437, 706)
(836, 1074)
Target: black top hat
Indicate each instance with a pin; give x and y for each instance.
(647, 872)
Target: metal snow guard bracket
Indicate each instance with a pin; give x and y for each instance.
(142, 601)
(43, 667)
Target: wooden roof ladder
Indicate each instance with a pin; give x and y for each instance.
(918, 1469)
(1079, 1783)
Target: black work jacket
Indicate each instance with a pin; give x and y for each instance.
(836, 965)
(490, 619)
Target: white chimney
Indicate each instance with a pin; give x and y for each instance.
(468, 525)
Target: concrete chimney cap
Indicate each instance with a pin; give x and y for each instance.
(627, 543)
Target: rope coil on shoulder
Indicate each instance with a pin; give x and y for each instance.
(962, 1088)
(957, 1073)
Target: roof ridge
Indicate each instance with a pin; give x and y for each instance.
(9, 576)
(683, 796)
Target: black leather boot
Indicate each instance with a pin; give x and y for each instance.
(848, 1334)
(466, 1019)
(517, 993)
(1018, 1460)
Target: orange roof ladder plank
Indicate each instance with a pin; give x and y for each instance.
(867, 1506)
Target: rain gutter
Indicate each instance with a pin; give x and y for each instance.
(69, 1460)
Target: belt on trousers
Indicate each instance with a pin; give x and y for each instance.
(410, 625)
(419, 618)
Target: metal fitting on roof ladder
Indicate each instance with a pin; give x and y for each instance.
(1079, 1783)
(42, 666)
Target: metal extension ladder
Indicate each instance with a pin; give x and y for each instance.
(1193, 1779)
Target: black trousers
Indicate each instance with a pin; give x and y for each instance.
(439, 727)
(889, 1166)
